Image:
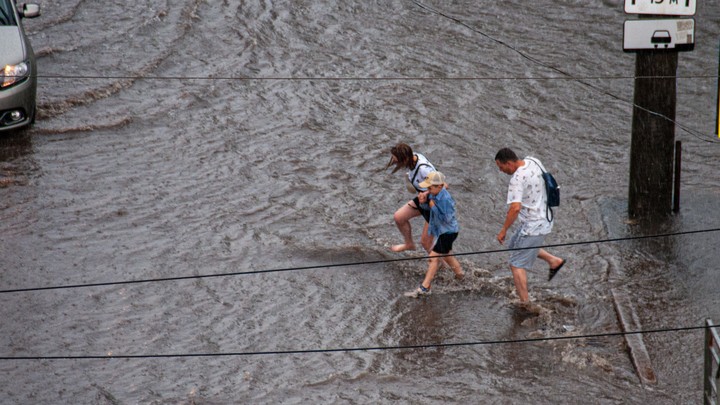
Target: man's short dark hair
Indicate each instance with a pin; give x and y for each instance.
(505, 155)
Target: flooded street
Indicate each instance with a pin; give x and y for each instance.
(229, 138)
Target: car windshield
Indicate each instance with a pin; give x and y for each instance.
(6, 13)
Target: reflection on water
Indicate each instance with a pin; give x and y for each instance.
(16, 163)
(15, 146)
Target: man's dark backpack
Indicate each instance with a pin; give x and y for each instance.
(553, 192)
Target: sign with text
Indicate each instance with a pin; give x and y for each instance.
(661, 7)
(665, 34)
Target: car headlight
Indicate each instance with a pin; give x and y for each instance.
(12, 74)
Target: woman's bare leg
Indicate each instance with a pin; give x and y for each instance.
(433, 265)
(402, 219)
(455, 266)
(426, 240)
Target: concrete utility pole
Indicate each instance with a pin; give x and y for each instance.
(653, 134)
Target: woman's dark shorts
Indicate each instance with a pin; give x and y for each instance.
(444, 243)
(425, 213)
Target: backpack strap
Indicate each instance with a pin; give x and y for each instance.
(549, 215)
(415, 173)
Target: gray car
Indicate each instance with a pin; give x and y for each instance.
(18, 81)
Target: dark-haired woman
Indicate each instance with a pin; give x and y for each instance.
(418, 167)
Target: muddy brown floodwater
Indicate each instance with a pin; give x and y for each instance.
(197, 138)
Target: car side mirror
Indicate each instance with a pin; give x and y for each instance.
(28, 10)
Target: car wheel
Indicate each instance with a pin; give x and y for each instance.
(32, 116)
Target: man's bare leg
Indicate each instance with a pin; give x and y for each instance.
(520, 278)
(552, 260)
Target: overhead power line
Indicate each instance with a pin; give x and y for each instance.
(564, 76)
(538, 62)
(355, 349)
(286, 269)
(365, 78)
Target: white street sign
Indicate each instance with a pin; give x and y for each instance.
(661, 7)
(665, 34)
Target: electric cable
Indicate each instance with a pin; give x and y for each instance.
(536, 61)
(358, 349)
(319, 266)
(565, 76)
(362, 78)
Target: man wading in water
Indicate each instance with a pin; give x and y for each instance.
(527, 200)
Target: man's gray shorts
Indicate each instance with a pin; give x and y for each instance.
(524, 258)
